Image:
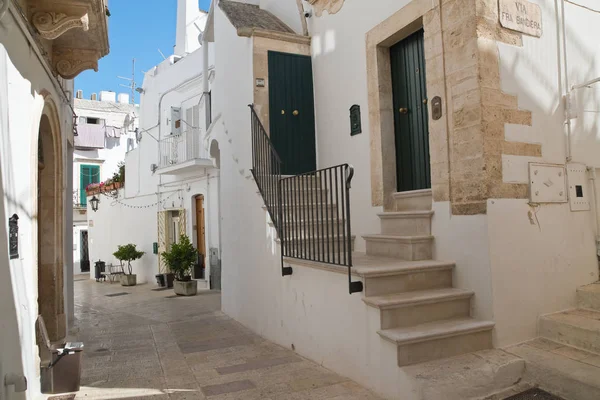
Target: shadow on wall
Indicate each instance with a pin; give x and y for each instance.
(10, 357)
(11, 346)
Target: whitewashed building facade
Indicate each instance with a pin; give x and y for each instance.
(39, 57)
(472, 212)
(172, 177)
(106, 132)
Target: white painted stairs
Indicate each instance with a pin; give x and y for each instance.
(565, 359)
(421, 312)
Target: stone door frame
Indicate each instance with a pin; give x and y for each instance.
(419, 14)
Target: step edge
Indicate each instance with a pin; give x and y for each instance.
(485, 326)
(405, 270)
(405, 214)
(399, 238)
(549, 317)
(412, 193)
(459, 295)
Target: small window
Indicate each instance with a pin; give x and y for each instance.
(94, 121)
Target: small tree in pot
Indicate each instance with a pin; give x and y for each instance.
(128, 253)
(180, 259)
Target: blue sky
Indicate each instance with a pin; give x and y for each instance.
(137, 28)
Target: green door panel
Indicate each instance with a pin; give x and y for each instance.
(291, 110)
(410, 113)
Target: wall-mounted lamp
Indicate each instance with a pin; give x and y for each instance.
(94, 201)
(140, 90)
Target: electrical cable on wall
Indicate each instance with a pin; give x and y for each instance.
(117, 201)
(582, 6)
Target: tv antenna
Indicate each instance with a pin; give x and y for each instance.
(131, 84)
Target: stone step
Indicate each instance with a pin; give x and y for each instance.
(589, 296)
(560, 370)
(386, 276)
(413, 308)
(310, 193)
(317, 247)
(414, 200)
(578, 328)
(410, 248)
(439, 339)
(406, 223)
(311, 212)
(316, 225)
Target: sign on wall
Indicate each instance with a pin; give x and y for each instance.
(521, 16)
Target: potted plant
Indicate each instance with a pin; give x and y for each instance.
(118, 178)
(128, 253)
(180, 259)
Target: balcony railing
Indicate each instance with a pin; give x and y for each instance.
(79, 198)
(178, 149)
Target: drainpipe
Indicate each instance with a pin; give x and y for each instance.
(592, 171)
(205, 76)
(4, 8)
(567, 89)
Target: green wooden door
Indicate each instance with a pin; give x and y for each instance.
(87, 174)
(410, 114)
(292, 112)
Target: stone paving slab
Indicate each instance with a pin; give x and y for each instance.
(148, 345)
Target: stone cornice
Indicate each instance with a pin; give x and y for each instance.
(285, 37)
(52, 24)
(72, 34)
(71, 62)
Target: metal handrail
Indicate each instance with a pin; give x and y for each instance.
(310, 211)
(315, 218)
(266, 170)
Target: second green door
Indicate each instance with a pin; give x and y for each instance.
(291, 110)
(410, 114)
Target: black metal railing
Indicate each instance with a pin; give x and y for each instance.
(315, 218)
(311, 211)
(266, 170)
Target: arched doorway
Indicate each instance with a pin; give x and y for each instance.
(50, 224)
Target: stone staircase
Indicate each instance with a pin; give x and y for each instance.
(421, 312)
(578, 328)
(565, 359)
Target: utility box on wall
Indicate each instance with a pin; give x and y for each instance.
(547, 183)
(577, 179)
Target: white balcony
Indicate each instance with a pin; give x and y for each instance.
(183, 153)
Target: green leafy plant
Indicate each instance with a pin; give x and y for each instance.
(128, 253)
(180, 258)
(119, 176)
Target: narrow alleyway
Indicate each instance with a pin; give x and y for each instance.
(146, 344)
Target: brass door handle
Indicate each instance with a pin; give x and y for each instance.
(403, 110)
(282, 112)
(295, 112)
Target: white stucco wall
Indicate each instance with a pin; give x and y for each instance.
(22, 80)
(506, 260)
(243, 240)
(167, 85)
(536, 268)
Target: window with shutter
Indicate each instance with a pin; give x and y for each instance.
(88, 174)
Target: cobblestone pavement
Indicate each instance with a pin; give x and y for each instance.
(147, 344)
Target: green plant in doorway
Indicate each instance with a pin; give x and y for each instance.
(128, 253)
(180, 258)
